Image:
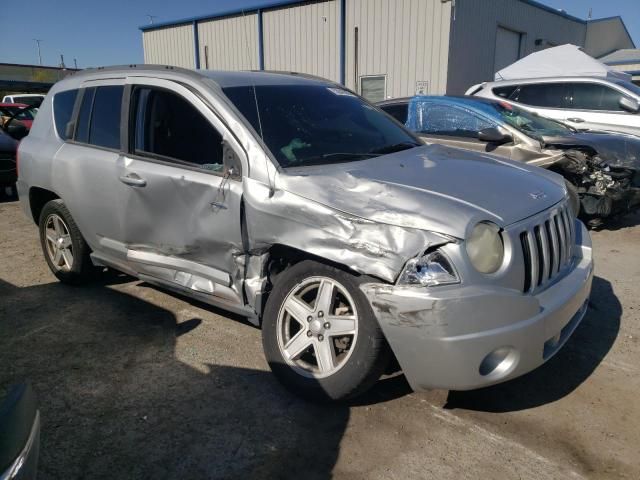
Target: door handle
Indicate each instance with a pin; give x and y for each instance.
(575, 120)
(133, 179)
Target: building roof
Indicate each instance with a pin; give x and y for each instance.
(256, 5)
(622, 56)
(223, 12)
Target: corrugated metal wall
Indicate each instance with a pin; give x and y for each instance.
(406, 40)
(304, 38)
(231, 43)
(170, 46)
(473, 38)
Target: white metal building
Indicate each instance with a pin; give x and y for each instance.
(379, 48)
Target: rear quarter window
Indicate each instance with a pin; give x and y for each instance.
(63, 103)
(504, 92)
(398, 111)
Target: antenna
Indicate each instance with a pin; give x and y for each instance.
(38, 40)
(590, 16)
(151, 17)
(255, 99)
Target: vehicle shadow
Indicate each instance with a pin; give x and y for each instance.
(117, 403)
(563, 373)
(620, 222)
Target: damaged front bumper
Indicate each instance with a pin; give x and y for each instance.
(459, 337)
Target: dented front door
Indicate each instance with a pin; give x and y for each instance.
(182, 218)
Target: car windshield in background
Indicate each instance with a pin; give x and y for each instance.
(317, 124)
(632, 87)
(33, 101)
(528, 123)
(22, 115)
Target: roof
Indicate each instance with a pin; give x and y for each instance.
(622, 56)
(255, 78)
(561, 61)
(220, 77)
(223, 12)
(266, 4)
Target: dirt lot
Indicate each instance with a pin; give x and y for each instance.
(138, 383)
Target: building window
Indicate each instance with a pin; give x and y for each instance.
(373, 87)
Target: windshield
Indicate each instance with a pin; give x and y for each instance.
(526, 122)
(35, 101)
(317, 124)
(22, 115)
(632, 87)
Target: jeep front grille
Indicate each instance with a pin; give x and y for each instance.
(547, 248)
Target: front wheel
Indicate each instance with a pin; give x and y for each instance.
(320, 336)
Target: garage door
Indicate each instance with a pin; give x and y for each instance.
(507, 48)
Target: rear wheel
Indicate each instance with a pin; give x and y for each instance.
(319, 333)
(64, 248)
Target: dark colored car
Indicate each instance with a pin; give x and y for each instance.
(19, 434)
(601, 167)
(8, 166)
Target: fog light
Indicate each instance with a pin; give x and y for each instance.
(500, 362)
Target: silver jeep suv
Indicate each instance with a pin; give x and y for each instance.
(296, 203)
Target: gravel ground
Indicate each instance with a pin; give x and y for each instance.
(135, 382)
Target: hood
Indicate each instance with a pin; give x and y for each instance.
(434, 188)
(616, 149)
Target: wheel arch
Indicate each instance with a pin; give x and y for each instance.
(38, 198)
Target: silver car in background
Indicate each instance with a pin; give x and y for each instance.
(602, 170)
(294, 202)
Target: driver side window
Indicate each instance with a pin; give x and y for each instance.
(451, 121)
(168, 127)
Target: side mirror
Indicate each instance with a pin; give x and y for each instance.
(629, 104)
(494, 135)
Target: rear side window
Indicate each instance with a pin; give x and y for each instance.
(62, 110)
(449, 121)
(505, 92)
(167, 125)
(592, 96)
(398, 111)
(99, 116)
(84, 116)
(552, 95)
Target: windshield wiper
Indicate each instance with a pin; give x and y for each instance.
(395, 147)
(335, 157)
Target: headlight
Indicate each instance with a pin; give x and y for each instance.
(432, 268)
(485, 247)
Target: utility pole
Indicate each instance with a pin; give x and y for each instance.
(38, 40)
(151, 17)
(75, 64)
(62, 61)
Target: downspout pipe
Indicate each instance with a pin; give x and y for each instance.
(260, 41)
(196, 45)
(343, 10)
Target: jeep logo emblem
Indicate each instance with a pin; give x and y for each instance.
(538, 195)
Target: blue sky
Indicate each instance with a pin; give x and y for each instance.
(106, 32)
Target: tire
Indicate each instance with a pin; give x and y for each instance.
(334, 366)
(57, 225)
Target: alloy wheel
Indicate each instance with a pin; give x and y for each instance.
(317, 327)
(58, 243)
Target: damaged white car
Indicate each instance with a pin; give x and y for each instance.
(296, 203)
